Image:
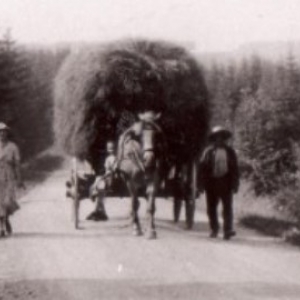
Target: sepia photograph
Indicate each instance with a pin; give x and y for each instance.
(149, 150)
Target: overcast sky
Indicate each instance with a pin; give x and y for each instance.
(208, 25)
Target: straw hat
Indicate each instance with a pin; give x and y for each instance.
(220, 131)
(3, 126)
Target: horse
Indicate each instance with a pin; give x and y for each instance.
(140, 159)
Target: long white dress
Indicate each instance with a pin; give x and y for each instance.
(9, 161)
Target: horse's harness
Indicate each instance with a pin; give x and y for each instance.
(148, 140)
(150, 143)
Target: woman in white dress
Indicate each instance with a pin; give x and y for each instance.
(10, 179)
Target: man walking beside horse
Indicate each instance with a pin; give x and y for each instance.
(220, 180)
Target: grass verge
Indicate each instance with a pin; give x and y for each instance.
(261, 214)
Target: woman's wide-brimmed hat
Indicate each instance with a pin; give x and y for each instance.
(220, 131)
(3, 126)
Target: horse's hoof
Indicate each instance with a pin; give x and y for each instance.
(151, 235)
(137, 232)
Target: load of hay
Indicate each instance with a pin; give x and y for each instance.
(99, 91)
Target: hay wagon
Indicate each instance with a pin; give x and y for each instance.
(100, 90)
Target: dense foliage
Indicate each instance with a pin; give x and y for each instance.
(260, 102)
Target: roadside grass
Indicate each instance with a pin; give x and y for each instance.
(262, 215)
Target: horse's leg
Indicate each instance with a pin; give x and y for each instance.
(151, 194)
(135, 204)
(137, 230)
(2, 226)
(8, 226)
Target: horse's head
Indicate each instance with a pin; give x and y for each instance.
(151, 133)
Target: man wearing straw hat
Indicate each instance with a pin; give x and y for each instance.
(220, 179)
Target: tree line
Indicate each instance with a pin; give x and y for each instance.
(26, 78)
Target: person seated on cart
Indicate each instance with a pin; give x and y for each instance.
(103, 185)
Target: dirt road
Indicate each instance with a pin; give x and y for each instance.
(47, 258)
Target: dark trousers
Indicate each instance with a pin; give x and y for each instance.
(219, 190)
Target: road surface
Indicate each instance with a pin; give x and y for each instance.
(46, 258)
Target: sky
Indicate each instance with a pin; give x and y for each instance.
(203, 25)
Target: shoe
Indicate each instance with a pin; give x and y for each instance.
(100, 216)
(229, 235)
(91, 216)
(213, 234)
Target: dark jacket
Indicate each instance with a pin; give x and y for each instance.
(206, 168)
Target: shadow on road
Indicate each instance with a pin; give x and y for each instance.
(82, 289)
(117, 227)
(120, 228)
(268, 226)
(273, 227)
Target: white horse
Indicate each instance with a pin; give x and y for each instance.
(139, 161)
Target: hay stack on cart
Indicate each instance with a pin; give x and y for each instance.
(99, 91)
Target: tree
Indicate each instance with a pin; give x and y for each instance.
(26, 79)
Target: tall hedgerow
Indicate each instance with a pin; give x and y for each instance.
(26, 78)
